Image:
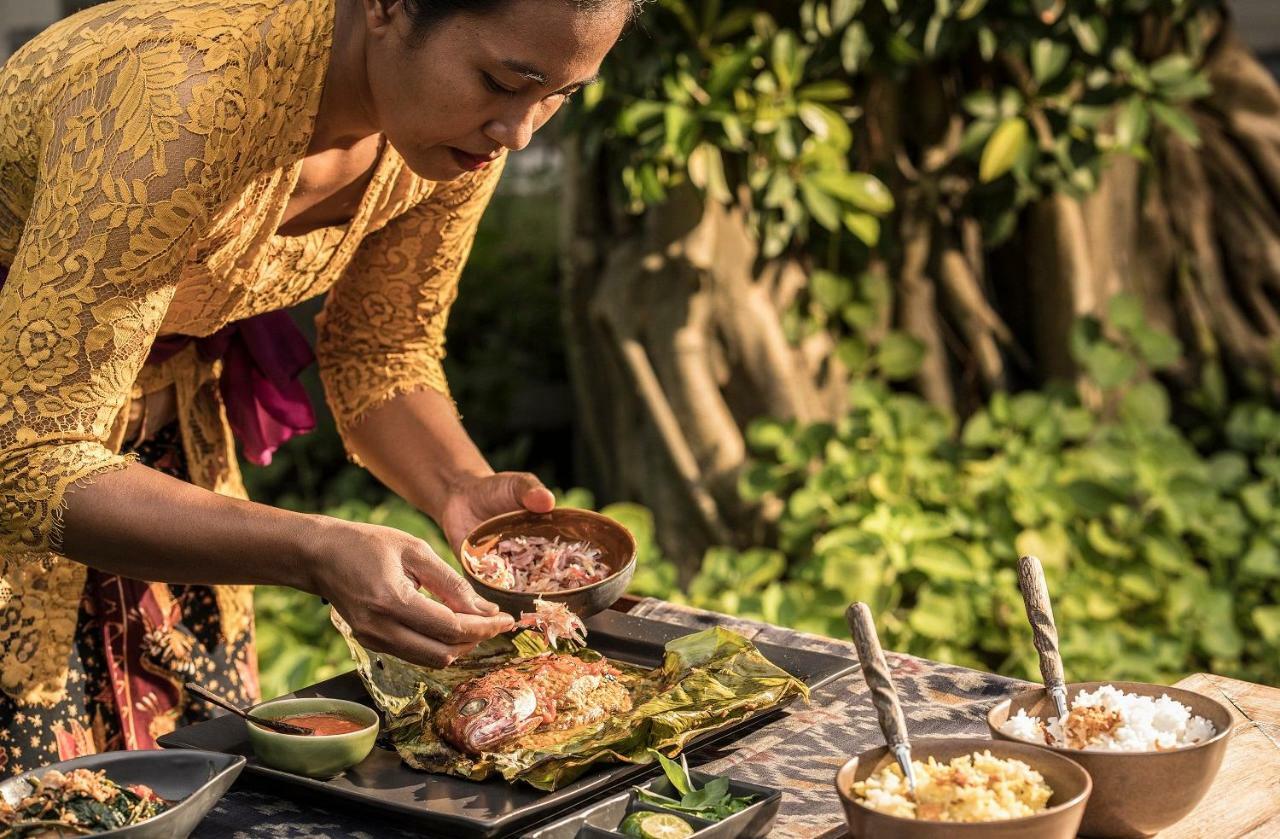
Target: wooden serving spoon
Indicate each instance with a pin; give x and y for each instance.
(274, 725)
(893, 723)
(1035, 596)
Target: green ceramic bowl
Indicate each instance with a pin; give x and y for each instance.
(316, 756)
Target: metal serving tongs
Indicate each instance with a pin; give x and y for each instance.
(1035, 596)
(893, 723)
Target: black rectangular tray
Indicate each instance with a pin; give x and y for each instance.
(600, 820)
(458, 807)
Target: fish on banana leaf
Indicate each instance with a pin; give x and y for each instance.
(515, 708)
(511, 705)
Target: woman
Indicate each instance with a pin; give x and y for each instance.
(173, 173)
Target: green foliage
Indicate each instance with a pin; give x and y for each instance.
(1161, 559)
(774, 105)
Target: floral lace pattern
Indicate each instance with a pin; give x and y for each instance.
(147, 154)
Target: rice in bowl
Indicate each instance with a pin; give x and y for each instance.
(969, 788)
(1112, 720)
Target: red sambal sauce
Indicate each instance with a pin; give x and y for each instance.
(324, 723)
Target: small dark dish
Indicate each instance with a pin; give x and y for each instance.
(617, 550)
(190, 781)
(1070, 785)
(601, 820)
(1135, 793)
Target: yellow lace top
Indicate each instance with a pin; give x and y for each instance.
(147, 152)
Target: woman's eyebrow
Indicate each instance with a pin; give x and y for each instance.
(535, 75)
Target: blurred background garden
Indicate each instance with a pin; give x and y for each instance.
(862, 299)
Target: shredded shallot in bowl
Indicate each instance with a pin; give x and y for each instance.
(536, 563)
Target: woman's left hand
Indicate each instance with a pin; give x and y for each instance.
(474, 499)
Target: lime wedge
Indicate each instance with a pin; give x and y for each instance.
(647, 825)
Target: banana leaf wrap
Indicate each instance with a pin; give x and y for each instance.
(706, 681)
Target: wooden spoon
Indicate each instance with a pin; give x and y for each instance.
(893, 723)
(274, 725)
(1035, 596)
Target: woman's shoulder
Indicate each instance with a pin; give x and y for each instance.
(250, 67)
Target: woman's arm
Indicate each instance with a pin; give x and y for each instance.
(380, 342)
(416, 445)
(143, 524)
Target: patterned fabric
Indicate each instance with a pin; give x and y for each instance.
(136, 643)
(148, 150)
(798, 753)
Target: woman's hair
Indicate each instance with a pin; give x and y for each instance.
(427, 14)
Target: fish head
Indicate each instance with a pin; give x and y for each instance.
(487, 715)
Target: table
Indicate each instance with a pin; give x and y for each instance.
(800, 752)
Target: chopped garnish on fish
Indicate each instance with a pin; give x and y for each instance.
(554, 621)
(536, 563)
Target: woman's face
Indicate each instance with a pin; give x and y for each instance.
(476, 84)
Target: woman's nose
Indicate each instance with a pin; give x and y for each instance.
(514, 130)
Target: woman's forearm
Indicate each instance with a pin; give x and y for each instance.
(143, 524)
(416, 445)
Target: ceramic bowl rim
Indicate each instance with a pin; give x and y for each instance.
(336, 704)
(1079, 799)
(1007, 702)
(591, 514)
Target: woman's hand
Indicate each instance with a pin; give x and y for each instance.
(474, 498)
(371, 575)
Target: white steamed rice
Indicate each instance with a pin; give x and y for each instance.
(1112, 720)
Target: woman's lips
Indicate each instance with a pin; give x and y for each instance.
(469, 162)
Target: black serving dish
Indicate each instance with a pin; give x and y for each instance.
(602, 819)
(388, 790)
(192, 780)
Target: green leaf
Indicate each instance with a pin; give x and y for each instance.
(863, 191)
(1178, 122)
(826, 125)
(830, 291)
(821, 206)
(1267, 620)
(970, 8)
(855, 48)
(827, 90)
(899, 356)
(706, 171)
(1146, 404)
(1132, 123)
(1173, 69)
(1048, 59)
(1002, 151)
(675, 772)
(863, 225)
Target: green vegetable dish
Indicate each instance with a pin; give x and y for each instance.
(78, 803)
(712, 802)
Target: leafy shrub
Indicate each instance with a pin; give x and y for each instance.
(1161, 560)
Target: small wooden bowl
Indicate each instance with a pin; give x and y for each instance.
(1135, 793)
(617, 550)
(1070, 785)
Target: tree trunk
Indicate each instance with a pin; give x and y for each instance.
(676, 323)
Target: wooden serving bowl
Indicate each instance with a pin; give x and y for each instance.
(617, 550)
(1070, 785)
(1135, 794)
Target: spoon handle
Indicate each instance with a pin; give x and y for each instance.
(876, 671)
(276, 725)
(1035, 596)
(209, 696)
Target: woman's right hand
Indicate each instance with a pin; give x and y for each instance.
(371, 575)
